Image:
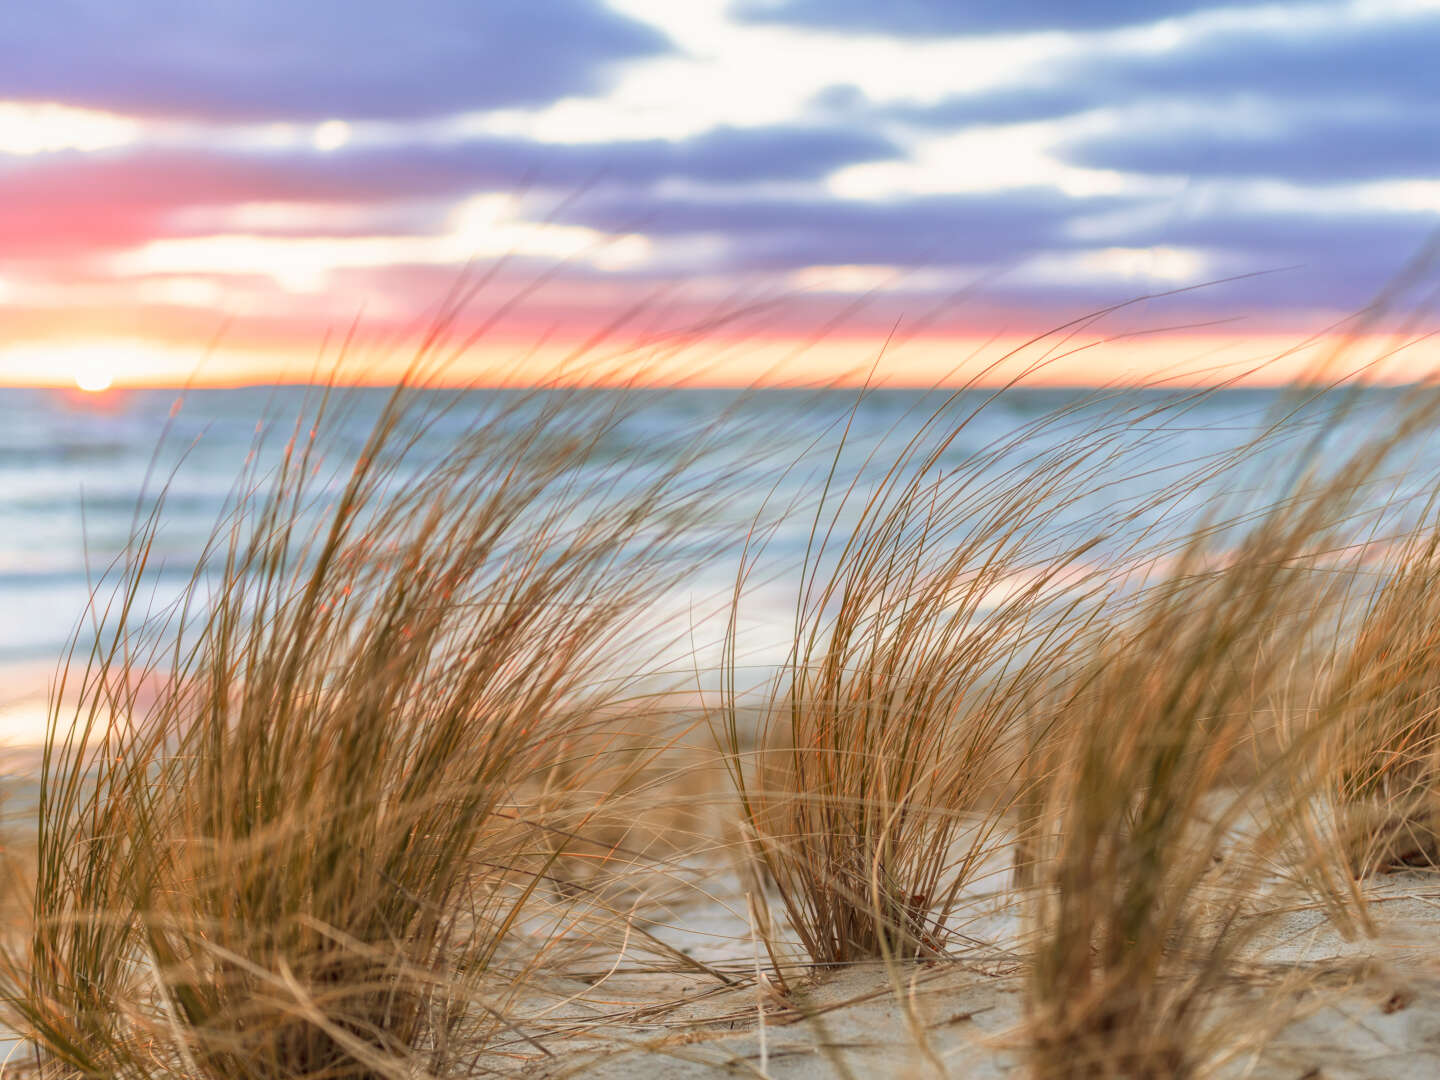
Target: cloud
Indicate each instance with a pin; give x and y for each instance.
(1004, 105)
(1386, 63)
(1322, 103)
(1016, 105)
(1390, 61)
(770, 234)
(924, 18)
(1317, 260)
(1278, 239)
(1330, 104)
(276, 60)
(65, 205)
(1338, 262)
(70, 202)
(1317, 149)
(724, 155)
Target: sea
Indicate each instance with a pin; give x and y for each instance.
(786, 470)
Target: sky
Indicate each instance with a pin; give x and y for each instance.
(724, 190)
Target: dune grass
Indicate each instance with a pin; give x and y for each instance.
(1381, 758)
(874, 787)
(1165, 807)
(394, 755)
(1143, 889)
(303, 853)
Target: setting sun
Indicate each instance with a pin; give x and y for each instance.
(93, 380)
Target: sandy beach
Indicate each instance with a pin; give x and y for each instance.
(1306, 1003)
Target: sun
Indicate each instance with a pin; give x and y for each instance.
(93, 380)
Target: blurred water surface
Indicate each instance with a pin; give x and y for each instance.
(75, 470)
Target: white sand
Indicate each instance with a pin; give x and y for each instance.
(1308, 1005)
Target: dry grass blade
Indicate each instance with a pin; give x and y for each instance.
(1137, 914)
(889, 747)
(1151, 866)
(1380, 714)
(290, 831)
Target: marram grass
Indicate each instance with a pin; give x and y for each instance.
(392, 762)
(305, 852)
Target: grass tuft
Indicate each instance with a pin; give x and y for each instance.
(300, 826)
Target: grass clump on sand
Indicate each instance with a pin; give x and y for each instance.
(1163, 803)
(891, 746)
(1141, 889)
(303, 851)
(1380, 758)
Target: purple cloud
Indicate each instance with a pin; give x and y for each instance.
(769, 233)
(1391, 62)
(722, 156)
(274, 60)
(924, 18)
(1318, 149)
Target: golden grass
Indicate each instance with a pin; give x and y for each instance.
(1381, 713)
(1153, 849)
(307, 855)
(922, 635)
(397, 756)
(1144, 892)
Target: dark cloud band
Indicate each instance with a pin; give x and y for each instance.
(915, 18)
(280, 60)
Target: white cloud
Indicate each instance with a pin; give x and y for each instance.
(1166, 266)
(331, 135)
(27, 129)
(743, 75)
(483, 227)
(987, 159)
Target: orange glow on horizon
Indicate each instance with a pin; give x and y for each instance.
(1175, 360)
